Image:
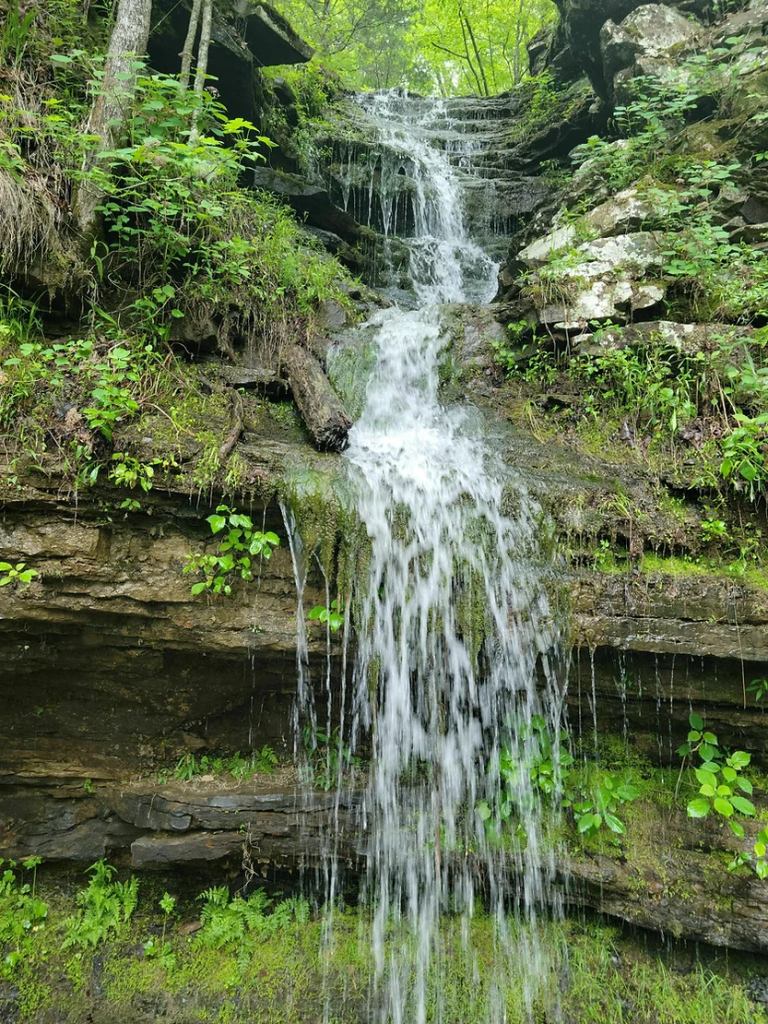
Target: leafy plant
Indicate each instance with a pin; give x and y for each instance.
(601, 806)
(329, 756)
(127, 471)
(714, 529)
(759, 688)
(107, 907)
(229, 923)
(239, 767)
(16, 575)
(744, 453)
(721, 789)
(333, 616)
(238, 547)
(545, 767)
(21, 912)
(162, 950)
(719, 776)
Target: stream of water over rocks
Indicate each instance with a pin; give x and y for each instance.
(453, 620)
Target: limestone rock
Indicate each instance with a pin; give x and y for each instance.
(689, 339)
(648, 41)
(606, 279)
(626, 211)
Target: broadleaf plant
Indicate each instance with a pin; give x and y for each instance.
(240, 544)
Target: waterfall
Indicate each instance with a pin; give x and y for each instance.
(452, 622)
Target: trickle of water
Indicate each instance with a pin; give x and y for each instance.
(452, 622)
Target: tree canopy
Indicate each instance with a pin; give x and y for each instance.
(445, 47)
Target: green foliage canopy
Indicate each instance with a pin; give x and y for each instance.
(445, 47)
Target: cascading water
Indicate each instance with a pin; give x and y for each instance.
(452, 620)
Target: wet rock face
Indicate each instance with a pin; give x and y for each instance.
(111, 662)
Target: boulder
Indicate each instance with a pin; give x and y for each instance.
(649, 41)
(606, 279)
(626, 211)
(582, 21)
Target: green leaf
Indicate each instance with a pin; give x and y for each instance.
(709, 737)
(723, 807)
(729, 774)
(217, 523)
(614, 823)
(706, 777)
(744, 785)
(696, 721)
(699, 808)
(740, 759)
(737, 828)
(743, 806)
(483, 811)
(706, 752)
(198, 588)
(585, 823)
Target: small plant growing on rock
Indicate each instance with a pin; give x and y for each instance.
(601, 806)
(545, 768)
(239, 545)
(21, 912)
(758, 688)
(18, 575)
(162, 950)
(239, 767)
(333, 616)
(229, 923)
(719, 777)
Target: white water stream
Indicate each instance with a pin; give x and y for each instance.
(452, 619)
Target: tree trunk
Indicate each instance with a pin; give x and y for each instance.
(128, 41)
(189, 46)
(479, 59)
(205, 42)
(320, 406)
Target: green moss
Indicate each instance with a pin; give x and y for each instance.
(681, 566)
(589, 972)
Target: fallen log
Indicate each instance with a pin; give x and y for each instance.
(319, 405)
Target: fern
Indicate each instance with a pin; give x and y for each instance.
(107, 907)
(229, 923)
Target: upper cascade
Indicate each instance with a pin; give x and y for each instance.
(426, 173)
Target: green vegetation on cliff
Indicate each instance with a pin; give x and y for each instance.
(243, 959)
(98, 329)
